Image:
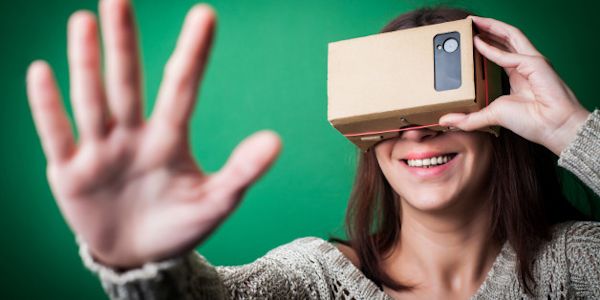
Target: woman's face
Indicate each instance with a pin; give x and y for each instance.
(432, 171)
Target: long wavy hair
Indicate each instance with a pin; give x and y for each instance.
(526, 193)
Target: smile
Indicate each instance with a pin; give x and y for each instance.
(430, 161)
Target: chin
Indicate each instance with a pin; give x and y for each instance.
(433, 199)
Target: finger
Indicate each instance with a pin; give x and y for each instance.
(490, 52)
(510, 35)
(524, 64)
(250, 159)
(87, 93)
(495, 114)
(123, 79)
(496, 42)
(178, 91)
(49, 115)
(500, 57)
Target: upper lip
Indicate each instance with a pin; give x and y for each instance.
(422, 155)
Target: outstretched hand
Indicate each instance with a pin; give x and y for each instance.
(130, 187)
(540, 106)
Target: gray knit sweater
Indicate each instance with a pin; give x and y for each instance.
(310, 268)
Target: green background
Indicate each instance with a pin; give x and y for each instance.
(267, 70)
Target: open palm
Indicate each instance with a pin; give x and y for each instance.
(130, 187)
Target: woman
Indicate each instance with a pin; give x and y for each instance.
(133, 194)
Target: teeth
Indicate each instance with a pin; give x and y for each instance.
(427, 162)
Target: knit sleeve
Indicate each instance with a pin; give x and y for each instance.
(582, 156)
(583, 257)
(290, 271)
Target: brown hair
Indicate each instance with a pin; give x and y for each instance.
(526, 194)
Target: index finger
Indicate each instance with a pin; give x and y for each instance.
(510, 35)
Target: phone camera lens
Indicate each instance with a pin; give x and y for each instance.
(450, 45)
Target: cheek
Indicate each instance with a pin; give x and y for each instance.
(480, 166)
(387, 165)
(387, 168)
(483, 157)
(383, 153)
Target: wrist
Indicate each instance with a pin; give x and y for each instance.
(114, 275)
(566, 133)
(113, 259)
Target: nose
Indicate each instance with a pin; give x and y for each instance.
(418, 135)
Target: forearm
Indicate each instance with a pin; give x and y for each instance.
(290, 271)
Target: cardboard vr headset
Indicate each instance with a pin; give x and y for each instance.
(383, 84)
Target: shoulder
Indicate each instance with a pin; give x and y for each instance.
(309, 245)
(335, 263)
(584, 229)
(579, 233)
(300, 255)
(305, 268)
(567, 245)
(318, 253)
(315, 248)
(574, 248)
(349, 253)
(582, 252)
(308, 250)
(582, 242)
(322, 248)
(569, 236)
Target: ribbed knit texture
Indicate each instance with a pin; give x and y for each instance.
(567, 267)
(582, 156)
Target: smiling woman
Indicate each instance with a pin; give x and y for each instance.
(399, 181)
(474, 188)
(432, 215)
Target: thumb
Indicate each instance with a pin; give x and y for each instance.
(250, 159)
(483, 118)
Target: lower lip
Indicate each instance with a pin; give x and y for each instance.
(431, 172)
